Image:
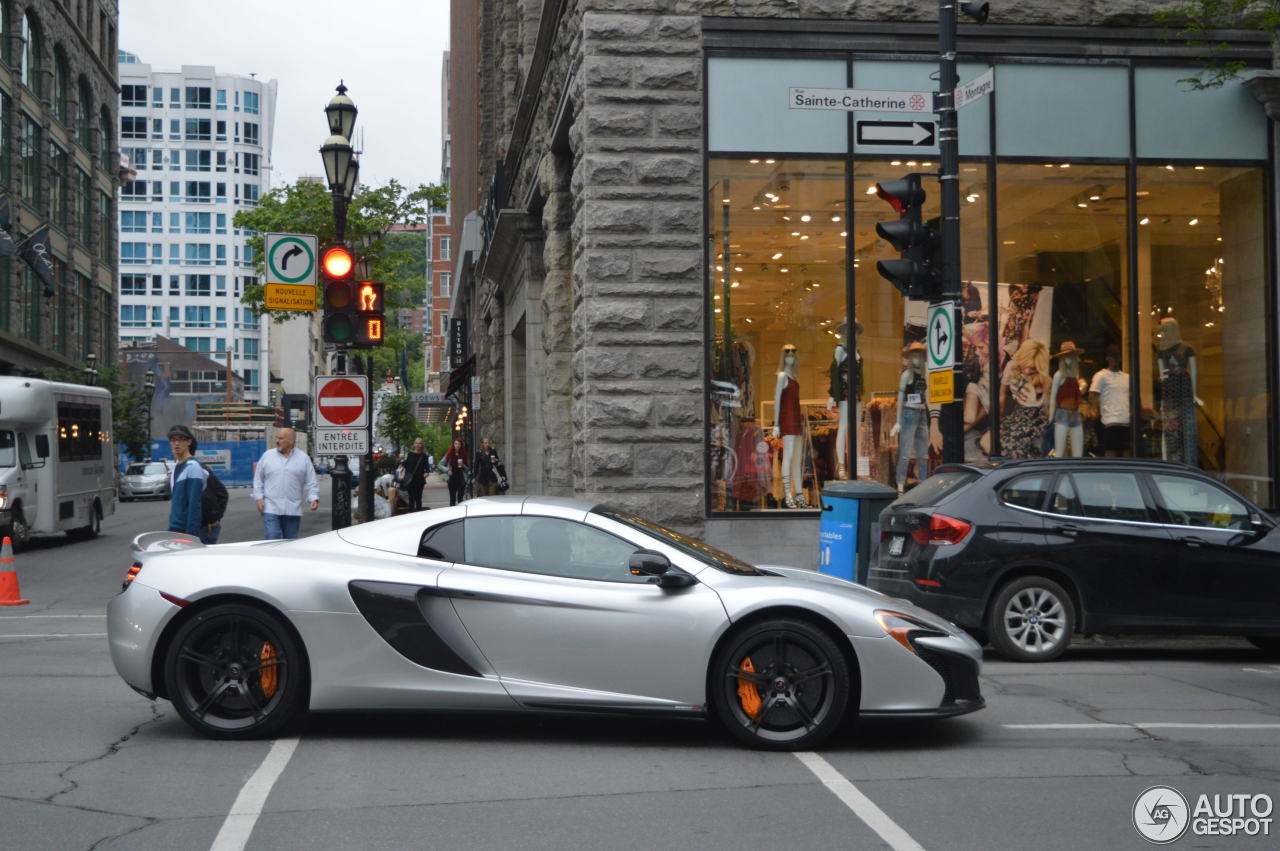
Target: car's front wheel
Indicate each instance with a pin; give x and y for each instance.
(1031, 620)
(235, 672)
(780, 685)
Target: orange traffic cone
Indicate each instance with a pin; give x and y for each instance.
(9, 595)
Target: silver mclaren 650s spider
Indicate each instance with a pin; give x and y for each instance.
(525, 604)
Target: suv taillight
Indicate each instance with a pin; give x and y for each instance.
(942, 530)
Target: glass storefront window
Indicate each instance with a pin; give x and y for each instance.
(1204, 374)
(777, 300)
(1063, 305)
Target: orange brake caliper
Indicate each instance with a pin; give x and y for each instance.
(748, 694)
(268, 677)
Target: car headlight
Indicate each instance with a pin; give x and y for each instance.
(903, 628)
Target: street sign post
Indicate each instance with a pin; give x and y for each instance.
(979, 87)
(342, 401)
(291, 272)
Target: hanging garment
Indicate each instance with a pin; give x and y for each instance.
(1178, 404)
(789, 413)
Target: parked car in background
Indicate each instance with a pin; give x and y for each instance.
(145, 480)
(1027, 553)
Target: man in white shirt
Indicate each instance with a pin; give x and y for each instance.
(280, 480)
(1109, 393)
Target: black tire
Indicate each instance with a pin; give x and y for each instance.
(86, 533)
(19, 531)
(1268, 644)
(1031, 620)
(798, 676)
(216, 678)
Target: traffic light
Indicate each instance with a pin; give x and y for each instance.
(916, 273)
(340, 307)
(371, 320)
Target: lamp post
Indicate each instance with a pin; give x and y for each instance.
(91, 369)
(341, 170)
(149, 387)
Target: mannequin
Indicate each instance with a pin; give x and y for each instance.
(1064, 402)
(787, 425)
(912, 426)
(839, 395)
(1178, 399)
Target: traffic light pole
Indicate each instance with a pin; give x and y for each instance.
(341, 474)
(952, 417)
(366, 466)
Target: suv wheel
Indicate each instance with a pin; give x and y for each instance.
(1031, 620)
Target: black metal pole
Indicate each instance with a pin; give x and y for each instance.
(952, 416)
(366, 466)
(341, 470)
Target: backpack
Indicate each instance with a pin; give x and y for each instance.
(213, 500)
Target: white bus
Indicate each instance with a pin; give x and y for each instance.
(57, 459)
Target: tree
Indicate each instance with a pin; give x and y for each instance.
(1198, 22)
(129, 412)
(398, 422)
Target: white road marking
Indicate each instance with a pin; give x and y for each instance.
(56, 635)
(239, 823)
(1154, 725)
(860, 804)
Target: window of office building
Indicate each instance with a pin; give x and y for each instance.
(59, 192)
(32, 59)
(30, 153)
(197, 97)
(133, 95)
(250, 133)
(133, 285)
(133, 127)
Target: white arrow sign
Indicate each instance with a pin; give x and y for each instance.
(914, 133)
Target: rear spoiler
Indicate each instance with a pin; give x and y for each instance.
(151, 542)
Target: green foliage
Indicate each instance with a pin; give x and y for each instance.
(437, 436)
(129, 412)
(1197, 22)
(399, 424)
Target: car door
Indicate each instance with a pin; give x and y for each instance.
(553, 606)
(1235, 565)
(1124, 563)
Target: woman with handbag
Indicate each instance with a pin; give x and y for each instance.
(415, 474)
(491, 476)
(456, 466)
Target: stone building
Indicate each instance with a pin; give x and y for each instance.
(58, 170)
(670, 192)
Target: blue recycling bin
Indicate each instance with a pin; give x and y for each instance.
(850, 527)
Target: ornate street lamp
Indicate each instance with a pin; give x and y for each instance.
(341, 113)
(149, 387)
(91, 369)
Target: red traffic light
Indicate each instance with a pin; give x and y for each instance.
(337, 262)
(902, 194)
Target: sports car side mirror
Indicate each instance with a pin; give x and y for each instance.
(652, 563)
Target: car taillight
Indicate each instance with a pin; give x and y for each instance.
(942, 530)
(131, 574)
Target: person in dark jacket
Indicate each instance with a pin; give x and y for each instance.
(186, 484)
(456, 467)
(490, 474)
(415, 474)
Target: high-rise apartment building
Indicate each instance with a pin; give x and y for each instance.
(200, 143)
(58, 170)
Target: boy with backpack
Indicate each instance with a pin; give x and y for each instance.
(199, 499)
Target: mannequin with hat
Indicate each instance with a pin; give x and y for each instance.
(1064, 402)
(787, 425)
(1178, 387)
(838, 393)
(912, 427)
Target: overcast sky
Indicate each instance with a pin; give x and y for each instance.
(389, 52)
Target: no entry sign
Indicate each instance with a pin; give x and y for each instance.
(342, 401)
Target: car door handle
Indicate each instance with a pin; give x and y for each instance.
(1068, 530)
(1193, 541)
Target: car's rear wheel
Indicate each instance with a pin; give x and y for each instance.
(85, 533)
(235, 672)
(1031, 620)
(780, 685)
(1268, 644)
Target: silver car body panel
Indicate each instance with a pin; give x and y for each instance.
(528, 640)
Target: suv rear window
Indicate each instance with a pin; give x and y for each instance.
(935, 489)
(1027, 491)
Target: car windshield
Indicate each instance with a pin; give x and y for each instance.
(7, 445)
(704, 553)
(155, 469)
(934, 489)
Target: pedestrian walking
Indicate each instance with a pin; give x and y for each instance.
(455, 463)
(283, 477)
(491, 476)
(186, 484)
(431, 463)
(415, 474)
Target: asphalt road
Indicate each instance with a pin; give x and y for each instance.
(1055, 761)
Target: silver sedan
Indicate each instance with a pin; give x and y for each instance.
(525, 604)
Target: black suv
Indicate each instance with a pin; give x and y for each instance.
(1026, 553)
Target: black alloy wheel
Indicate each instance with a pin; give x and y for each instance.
(1031, 620)
(780, 685)
(235, 672)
